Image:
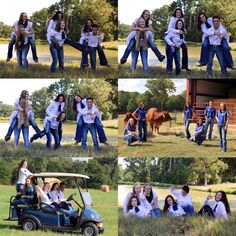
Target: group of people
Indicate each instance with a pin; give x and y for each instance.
(88, 119)
(23, 38)
(203, 130)
(144, 203)
(215, 41)
(51, 197)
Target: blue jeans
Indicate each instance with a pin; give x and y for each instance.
(144, 58)
(102, 56)
(142, 130)
(223, 141)
(57, 55)
(74, 44)
(184, 56)
(20, 188)
(22, 56)
(219, 54)
(173, 53)
(52, 132)
(186, 126)
(130, 138)
(156, 212)
(92, 129)
(189, 210)
(25, 132)
(226, 53)
(33, 48)
(199, 138)
(209, 123)
(204, 52)
(92, 53)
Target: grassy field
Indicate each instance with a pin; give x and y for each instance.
(171, 142)
(191, 226)
(104, 203)
(68, 149)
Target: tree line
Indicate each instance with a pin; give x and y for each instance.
(159, 94)
(100, 170)
(179, 171)
(160, 17)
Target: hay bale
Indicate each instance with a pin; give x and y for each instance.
(105, 188)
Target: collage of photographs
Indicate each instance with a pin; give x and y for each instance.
(118, 118)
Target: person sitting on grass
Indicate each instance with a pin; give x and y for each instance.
(218, 208)
(199, 134)
(89, 113)
(94, 38)
(184, 199)
(172, 208)
(215, 35)
(130, 135)
(136, 209)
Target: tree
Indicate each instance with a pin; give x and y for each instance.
(123, 30)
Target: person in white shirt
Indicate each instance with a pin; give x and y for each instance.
(217, 208)
(205, 23)
(172, 208)
(53, 21)
(215, 35)
(22, 174)
(174, 40)
(45, 197)
(28, 28)
(89, 114)
(184, 199)
(78, 104)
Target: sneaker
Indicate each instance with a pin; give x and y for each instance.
(31, 140)
(123, 61)
(162, 58)
(7, 138)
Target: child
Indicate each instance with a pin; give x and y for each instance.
(56, 39)
(218, 208)
(172, 208)
(184, 199)
(130, 135)
(199, 135)
(209, 113)
(94, 38)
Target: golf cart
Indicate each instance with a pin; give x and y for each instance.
(39, 216)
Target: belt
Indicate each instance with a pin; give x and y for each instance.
(215, 46)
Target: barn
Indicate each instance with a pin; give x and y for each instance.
(200, 91)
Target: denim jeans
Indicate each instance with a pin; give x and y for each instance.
(186, 126)
(25, 132)
(31, 42)
(130, 138)
(209, 123)
(189, 210)
(57, 55)
(199, 138)
(226, 53)
(156, 212)
(142, 130)
(92, 129)
(74, 44)
(206, 209)
(10, 46)
(219, 54)
(49, 134)
(223, 141)
(22, 56)
(92, 53)
(173, 53)
(129, 49)
(154, 49)
(101, 55)
(204, 52)
(144, 58)
(20, 188)
(184, 56)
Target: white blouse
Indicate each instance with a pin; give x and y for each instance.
(176, 213)
(23, 174)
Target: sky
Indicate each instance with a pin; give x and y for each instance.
(10, 9)
(10, 89)
(132, 9)
(138, 85)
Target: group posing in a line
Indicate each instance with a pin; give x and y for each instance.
(201, 129)
(215, 41)
(88, 119)
(145, 203)
(51, 197)
(23, 38)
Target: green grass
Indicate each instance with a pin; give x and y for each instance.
(104, 203)
(171, 142)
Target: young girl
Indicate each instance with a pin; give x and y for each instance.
(199, 135)
(218, 208)
(148, 28)
(22, 174)
(172, 208)
(174, 41)
(78, 104)
(152, 199)
(53, 21)
(178, 15)
(140, 115)
(205, 23)
(222, 117)
(137, 210)
(130, 135)
(188, 115)
(56, 39)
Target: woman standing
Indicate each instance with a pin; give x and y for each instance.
(22, 174)
(188, 115)
(222, 117)
(140, 115)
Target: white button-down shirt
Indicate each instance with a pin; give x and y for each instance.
(89, 119)
(220, 210)
(174, 38)
(182, 200)
(52, 25)
(93, 40)
(57, 35)
(214, 39)
(52, 109)
(23, 174)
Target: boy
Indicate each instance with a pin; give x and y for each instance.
(209, 113)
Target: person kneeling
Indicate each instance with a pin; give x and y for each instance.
(130, 135)
(199, 135)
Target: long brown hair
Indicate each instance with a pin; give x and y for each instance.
(26, 187)
(20, 21)
(130, 200)
(23, 115)
(20, 37)
(225, 201)
(20, 166)
(58, 26)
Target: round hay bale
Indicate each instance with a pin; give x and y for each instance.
(105, 188)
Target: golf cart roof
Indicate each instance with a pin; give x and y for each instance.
(58, 174)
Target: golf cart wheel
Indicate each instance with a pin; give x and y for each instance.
(29, 225)
(90, 229)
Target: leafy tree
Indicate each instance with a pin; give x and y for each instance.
(123, 30)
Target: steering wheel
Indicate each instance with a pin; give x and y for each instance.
(71, 197)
